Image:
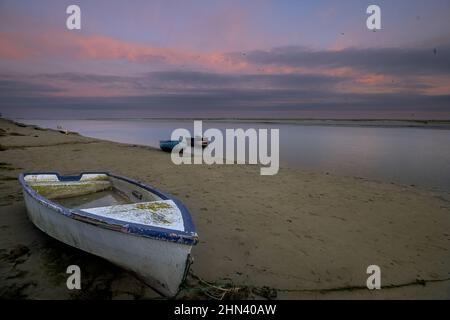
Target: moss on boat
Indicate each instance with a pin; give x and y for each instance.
(153, 206)
(66, 190)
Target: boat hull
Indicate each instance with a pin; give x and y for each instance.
(168, 145)
(161, 264)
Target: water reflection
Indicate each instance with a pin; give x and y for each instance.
(403, 155)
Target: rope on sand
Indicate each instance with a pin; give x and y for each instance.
(219, 293)
(213, 291)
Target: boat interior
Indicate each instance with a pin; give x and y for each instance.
(108, 196)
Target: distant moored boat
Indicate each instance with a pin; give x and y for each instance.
(168, 145)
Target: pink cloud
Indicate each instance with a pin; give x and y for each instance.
(70, 45)
(10, 48)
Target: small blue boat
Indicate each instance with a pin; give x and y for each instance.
(168, 145)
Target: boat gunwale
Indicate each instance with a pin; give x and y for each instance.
(188, 236)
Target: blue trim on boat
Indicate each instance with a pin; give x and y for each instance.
(188, 236)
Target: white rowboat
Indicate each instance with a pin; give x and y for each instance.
(124, 221)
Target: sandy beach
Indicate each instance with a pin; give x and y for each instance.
(295, 235)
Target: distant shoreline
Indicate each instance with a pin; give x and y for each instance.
(389, 123)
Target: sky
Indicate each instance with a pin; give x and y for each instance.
(225, 59)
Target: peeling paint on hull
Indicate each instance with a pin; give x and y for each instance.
(159, 257)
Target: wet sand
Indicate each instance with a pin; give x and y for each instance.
(294, 235)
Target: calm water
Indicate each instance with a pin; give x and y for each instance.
(403, 155)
